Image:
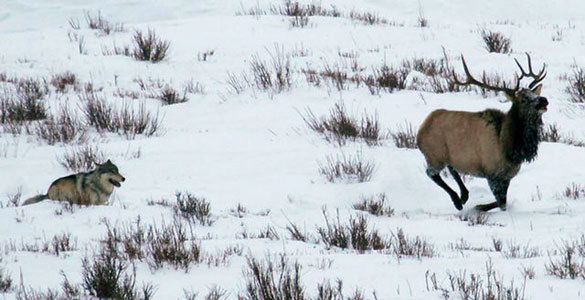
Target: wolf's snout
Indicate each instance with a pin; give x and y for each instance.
(123, 178)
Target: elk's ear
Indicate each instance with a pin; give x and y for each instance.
(537, 89)
(511, 96)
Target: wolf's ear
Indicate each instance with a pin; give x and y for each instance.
(109, 162)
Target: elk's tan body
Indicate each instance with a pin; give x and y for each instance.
(470, 142)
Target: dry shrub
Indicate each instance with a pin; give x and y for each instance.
(438, 75)
(403, 245)
(5, 281)
(475, 218)
(495, 42)
(279, 279)
(82, 158)
(375, 205)
(149, 47)
(193, 209)
(295, 9)
(64, 128)
(116, 50)
(295, 233)
(169, 96)
(576, 86)
(571, 263)
(574, 191)
(337, 75)
(387, 79)
(63, 80)
(368, 18)
(275, 76)
(299, 21)
(404, 137)
(348, 168)
(356, 234)
(98, 22)
(157, 245)
(273, 280)
(169, 244)
(23, 102)
(475, 286)
(194, 87)
(339, 126)
(515, 250)
(105, 275)
(240, 211)
(124, 120)
(267, 233)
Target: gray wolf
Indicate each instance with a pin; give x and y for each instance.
(86, 188)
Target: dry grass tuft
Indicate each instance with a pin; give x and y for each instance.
(150, 47)
(350, 168)
(495, 42)
(339, 126)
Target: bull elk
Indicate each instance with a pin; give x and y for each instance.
(490, 144)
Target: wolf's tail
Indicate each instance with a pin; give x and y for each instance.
(35, 199)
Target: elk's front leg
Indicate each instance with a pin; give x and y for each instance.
(499, 188)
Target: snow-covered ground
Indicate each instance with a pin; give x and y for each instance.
(254, 149)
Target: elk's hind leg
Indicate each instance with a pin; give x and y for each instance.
(435, 175)
(462, 188)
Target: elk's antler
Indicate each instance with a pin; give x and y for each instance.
(483, 84)
(537, 77)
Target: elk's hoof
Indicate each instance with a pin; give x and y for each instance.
(503, 207)
(464, 197)
(457, 203)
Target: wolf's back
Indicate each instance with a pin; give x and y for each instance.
(35, 199)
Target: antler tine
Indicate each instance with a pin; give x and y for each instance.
(520, 66)
(523, 73)
(456, 79)
(537, 77)
(541, 76)
(471, 80)
(529, 62)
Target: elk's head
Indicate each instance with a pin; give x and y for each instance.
(528, 102)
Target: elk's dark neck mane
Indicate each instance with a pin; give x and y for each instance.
(521, 134)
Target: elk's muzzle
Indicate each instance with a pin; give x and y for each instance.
(542, 104)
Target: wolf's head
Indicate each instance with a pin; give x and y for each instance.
(109, 173)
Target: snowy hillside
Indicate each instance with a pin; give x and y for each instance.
(244, 146)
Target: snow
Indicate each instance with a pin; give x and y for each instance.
(253, 148)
